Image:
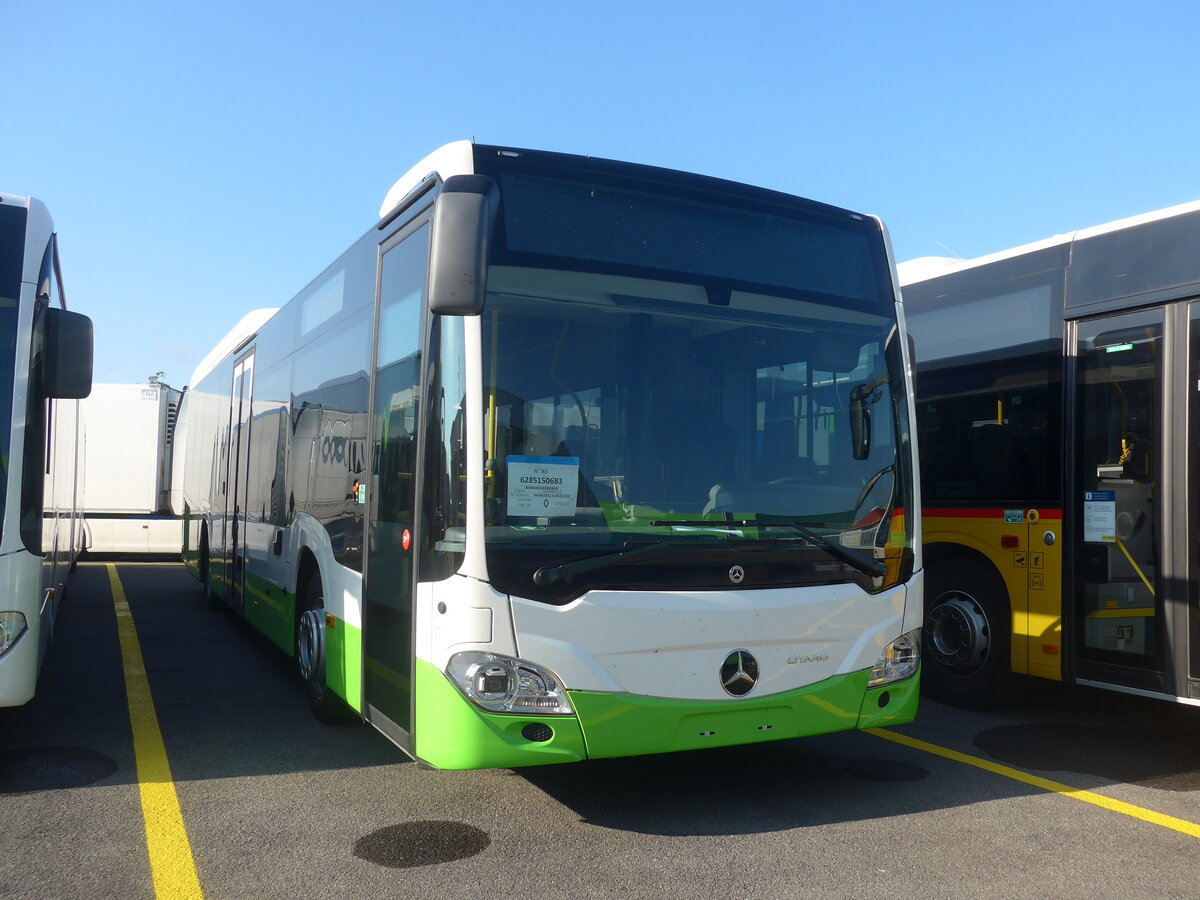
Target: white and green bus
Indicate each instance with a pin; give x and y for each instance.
(569, 458)
(45, 368)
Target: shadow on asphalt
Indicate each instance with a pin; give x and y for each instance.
(227, 700)
(1116, 737)
(1082, 736)
(744, 790)
(229, 705)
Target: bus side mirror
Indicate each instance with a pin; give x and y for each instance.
(860, 424)
(462, 227)
(67, 356)
(860, 414)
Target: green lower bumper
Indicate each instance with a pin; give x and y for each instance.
(453, 734)
(621, 725)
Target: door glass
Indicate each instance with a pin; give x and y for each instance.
(392, 496)
(243, 384)
(1118, 445)
(1193, 515)
(226, 538)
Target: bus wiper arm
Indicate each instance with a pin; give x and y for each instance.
(850, 557)
(554, 574)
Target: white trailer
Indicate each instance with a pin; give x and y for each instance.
(129, 435)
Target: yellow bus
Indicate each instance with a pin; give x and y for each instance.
(1058, 391)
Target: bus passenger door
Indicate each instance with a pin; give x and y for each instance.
(1122, 594)
(391, 493)
(1189, 682)
(238, 462)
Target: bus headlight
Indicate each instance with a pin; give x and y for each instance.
(898, 661)
(506, 685)
(12, 626)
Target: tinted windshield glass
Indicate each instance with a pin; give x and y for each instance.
(616, 407)
(836, 256)
(12, 252)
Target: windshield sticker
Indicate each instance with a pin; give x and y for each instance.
(542, 485)
(1100, 517)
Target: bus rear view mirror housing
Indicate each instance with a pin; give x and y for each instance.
(836, 353)
(461, 230)
(860, 414)
(860, 425)
(67, 372)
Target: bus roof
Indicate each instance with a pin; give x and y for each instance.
(457, 158)
(38, 229)
(924, 268)
(249, 324)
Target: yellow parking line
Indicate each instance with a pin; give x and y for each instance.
(139, 563)
(1127, 809)
(171, 863)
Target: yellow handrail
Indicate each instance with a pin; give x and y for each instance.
(1136, 568)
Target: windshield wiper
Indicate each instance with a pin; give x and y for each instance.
(554, 574)
(864, 564)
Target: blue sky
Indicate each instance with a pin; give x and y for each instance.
(203, 160)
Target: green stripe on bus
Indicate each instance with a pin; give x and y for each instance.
(626, 725)
(343, 662)
(271, 610)
(451, 733)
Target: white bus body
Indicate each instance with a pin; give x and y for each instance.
(45, 368)
(569, 458)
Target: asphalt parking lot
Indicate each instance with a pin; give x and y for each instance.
(1074, 793)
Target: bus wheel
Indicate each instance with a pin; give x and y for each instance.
(967, 629)
(310, 656)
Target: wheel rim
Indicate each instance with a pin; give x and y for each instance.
(310, 645)
(958, 634)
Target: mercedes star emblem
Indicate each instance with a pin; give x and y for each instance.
(739, 673)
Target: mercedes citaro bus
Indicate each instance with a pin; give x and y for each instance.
(569, 458)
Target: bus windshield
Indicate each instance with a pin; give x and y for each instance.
(635, 423)
(12, 253)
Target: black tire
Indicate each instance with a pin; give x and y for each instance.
(968, 626)
(325, 705)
